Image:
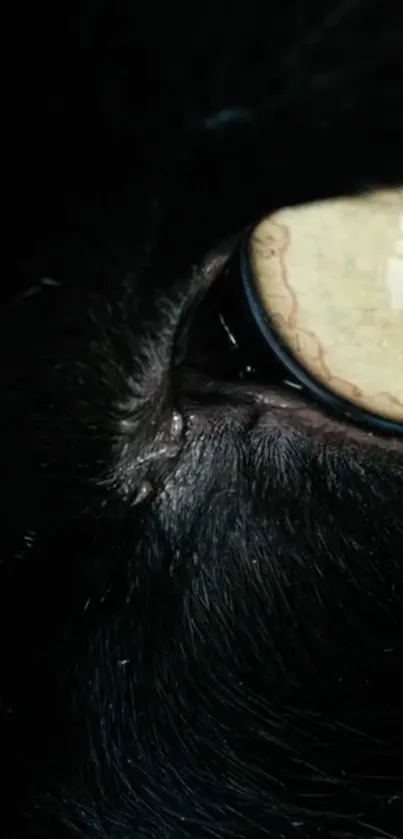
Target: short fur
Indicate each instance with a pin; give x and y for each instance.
(200, 595)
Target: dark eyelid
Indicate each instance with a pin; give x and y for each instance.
(254, 353)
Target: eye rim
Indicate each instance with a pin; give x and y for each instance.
(339, 406)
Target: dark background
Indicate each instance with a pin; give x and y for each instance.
(106, 115)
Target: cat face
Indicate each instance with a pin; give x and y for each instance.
(211, 572)
(203, 562)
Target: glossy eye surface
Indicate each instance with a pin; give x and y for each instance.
(327, 281)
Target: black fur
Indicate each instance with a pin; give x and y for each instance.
(200, 593)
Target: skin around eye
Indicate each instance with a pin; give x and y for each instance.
(329, 276)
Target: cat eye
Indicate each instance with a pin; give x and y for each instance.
(323, 286)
